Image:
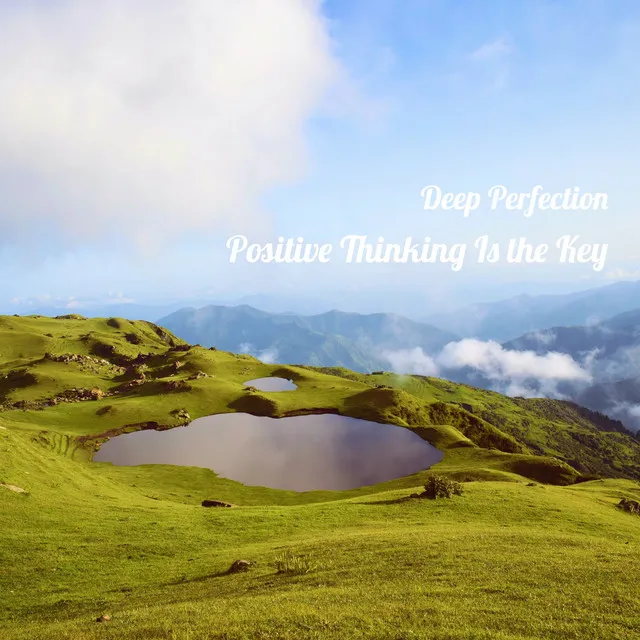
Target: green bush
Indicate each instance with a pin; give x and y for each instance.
(294, 565)
(441, 487)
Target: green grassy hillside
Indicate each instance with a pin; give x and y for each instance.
(530, 550)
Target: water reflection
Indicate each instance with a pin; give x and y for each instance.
(271, 384)
(301, 453)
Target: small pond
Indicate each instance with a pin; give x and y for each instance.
(271, 384)
(301, 453)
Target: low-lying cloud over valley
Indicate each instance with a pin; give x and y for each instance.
(508, 371)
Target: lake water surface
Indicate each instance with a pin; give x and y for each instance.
(271, 384)
(300, 453)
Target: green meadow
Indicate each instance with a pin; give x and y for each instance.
(535, 547)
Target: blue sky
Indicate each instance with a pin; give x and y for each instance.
(124, 175)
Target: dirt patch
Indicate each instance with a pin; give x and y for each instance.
(13, 487)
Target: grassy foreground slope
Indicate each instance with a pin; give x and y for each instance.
(508, 559)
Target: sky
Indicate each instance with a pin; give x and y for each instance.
(136, 138)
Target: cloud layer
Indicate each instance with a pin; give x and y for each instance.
(508, 371)
(154, 116)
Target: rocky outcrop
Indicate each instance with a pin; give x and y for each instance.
(176, 386)
(630, 506)
(240, 566)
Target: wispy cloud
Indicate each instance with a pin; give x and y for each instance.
(411, 361)
(268, 356)
(492, 59)
(498, 48)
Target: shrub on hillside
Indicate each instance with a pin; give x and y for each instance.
(630, 506)
(441, 487)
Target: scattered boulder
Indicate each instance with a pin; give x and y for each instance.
(176, 385)
(182, 415)
(105, 617)
(215, 503)
(96, 393)
(25, 404)
(13, 487)
(77, 357)
(630, 506)
(128, 386)
(197, 375)
(181, 347)
(239, 566)
(78, 394)
(136, 371)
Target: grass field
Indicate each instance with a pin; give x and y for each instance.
(524, 553)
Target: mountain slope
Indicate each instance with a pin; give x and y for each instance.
(89, 377)
(609, 350)
(508, 319)
(335, 338)
(133, 548)
(587, 440)
(608, 337)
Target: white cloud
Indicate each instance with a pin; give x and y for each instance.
(411, 361)
(514, 373)
(268, 356)
(497, 48)
(245, 347)
(497, 363)
(545, 338)
(153, 117)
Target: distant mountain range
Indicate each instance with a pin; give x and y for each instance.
(609, 351)
(604, 339)
(506, 320)
(599, 329)
(350, 340)
(605, 354)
